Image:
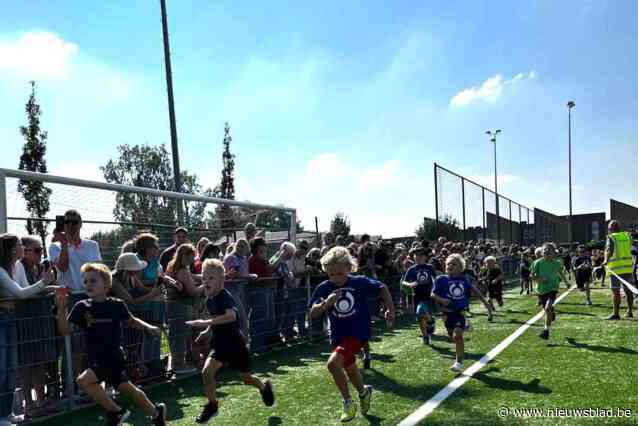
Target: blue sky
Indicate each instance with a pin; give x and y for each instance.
(339, 105)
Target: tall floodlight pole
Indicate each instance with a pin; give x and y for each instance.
(492, 134)
(171, 109)
(570, 235)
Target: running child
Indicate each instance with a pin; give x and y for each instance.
(452, 292)
(493, 277)
(345, 298)
(102, 319)
(583, 272)
(525, 273)
(547, 272)
(420, 279)
(227, 343)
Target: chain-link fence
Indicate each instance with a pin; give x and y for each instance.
(471, 212)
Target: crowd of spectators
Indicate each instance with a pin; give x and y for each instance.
(164, 288)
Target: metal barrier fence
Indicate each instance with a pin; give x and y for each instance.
(43, 364)
(471, 212)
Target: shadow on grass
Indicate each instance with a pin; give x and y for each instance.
(585, 314)
(533, 386)
(447, 351)
(595, 348)
(274, 421)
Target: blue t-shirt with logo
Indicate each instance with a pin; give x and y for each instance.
(424, 276)
(457, 289)
(349, 317)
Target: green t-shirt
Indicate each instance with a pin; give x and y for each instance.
(548, 269)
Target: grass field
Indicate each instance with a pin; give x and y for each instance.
(587, 363)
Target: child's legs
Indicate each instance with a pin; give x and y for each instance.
(423, 325)
(138, 396)
(366, 349)
(355, 377)
(335, 366)
(88, 381)
(251, 380)
(549, 310)
(211, 367)
(459, 343)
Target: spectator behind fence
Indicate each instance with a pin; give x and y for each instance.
(328, 242)
(257, 262)
(37, 354)
(180, 307)
(10, 251)
(210, 251)
(236, 266)
(72, 251)
(200, 249)
(313, 263)
(295, 312)
(250, 230)
(181, 237)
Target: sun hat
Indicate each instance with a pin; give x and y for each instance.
(130, 262)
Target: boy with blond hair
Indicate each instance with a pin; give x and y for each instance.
(102, 318)
(227, 343)
(345, 298)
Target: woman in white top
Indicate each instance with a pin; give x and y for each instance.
(10, 252)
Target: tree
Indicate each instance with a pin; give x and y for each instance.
(226, 188)
(340, 225)
(32, 159)
(448, 227)
(150, 167)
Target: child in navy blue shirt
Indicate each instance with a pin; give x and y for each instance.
(227, 344)
(583, 272)
(345, 298)
(103, 318)
(420, 278)
(452, 292)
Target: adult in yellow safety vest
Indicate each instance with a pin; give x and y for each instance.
(619, 263)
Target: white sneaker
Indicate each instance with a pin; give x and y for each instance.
(457, 367)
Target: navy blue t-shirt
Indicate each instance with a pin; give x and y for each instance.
(102, 322)
(349, 317)
(457, 289)
(229, 332)
(424, 276)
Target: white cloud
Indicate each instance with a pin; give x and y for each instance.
(489, 91)
(36, 56)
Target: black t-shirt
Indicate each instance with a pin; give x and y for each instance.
(491, 274)
(585, 271)
(567, 261)
(102, 322)
(224, 333)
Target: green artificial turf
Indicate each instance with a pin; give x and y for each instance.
(587, 363)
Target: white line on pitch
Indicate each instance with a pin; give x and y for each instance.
(427, 408)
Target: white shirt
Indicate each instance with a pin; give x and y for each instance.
(88, 251)
(10, 288)
(297, 266)
(20, 275)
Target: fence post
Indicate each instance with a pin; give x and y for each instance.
(3, 204)
(68, 372)
(317, 232)
(436, 200)
(511, 224)
(293, 227)
(463, 204)
(308, 295)
(484, 226)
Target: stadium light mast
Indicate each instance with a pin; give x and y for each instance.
(492, 134)
(570, 235)
(171, 109)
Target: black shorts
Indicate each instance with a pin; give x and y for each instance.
(454, 320)
(495, 290)
(113, 373)
(526, 275)
(581, 280)
(543, 298)
(234, 355)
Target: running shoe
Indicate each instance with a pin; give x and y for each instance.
(160, 418)
(457, 367)
(364, 401)
(267, 395)
(116, 418)
(544, 335)
(349, 412)
(366, 362)
(210, 410)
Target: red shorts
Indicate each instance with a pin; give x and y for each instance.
(348, 349)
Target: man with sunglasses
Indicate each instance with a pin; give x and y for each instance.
(72, 251)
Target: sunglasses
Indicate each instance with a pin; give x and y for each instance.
(72, 222)
(35, 250)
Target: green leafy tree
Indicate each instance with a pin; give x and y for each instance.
(32, 159)
(150, 167)
(448, 227)
(226, 189)
(340, 225)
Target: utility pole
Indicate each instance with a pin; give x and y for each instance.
(492, 134)
(570, 235)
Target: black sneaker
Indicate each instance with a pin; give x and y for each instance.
(267, 395)
(160, 418)
(366, 362)
(629, 315)
(210, 410)
(544, 334)
(553, 316)
(613, 317)
(115, 418)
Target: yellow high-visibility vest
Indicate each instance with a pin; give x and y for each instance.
(621, 261)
